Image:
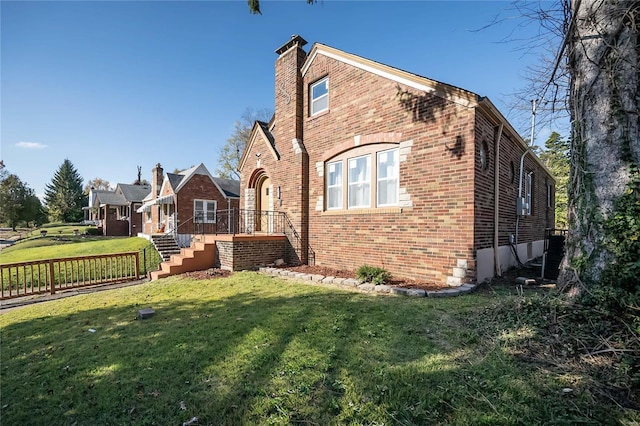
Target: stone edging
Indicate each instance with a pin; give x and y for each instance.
(368, 287)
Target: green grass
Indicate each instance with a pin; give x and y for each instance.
(251, 349)
(69, 246)
(60, 229)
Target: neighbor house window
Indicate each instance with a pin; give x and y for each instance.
(388, 178)
(549, 192)
(319, 96)
(360, 181)
(364, 177)
(334, 185)
(204, 211)
(147, 215)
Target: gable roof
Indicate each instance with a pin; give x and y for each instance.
(175, 179)
(229, 188)
(446, 91)
(427, 85)
(260, 130)
(132, 192)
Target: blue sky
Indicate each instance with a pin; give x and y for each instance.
(114, 85)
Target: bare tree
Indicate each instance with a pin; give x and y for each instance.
(232, 151)
(97, 184)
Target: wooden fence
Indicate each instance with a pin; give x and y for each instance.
(49, 276)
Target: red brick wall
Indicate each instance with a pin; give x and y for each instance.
(237, 254)
(423, 241)
(447, 217)
(199, 187)
(531, 228)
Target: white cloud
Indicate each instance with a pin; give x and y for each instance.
(31, 145)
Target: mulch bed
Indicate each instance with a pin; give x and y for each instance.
(321, 270)
(340, 273)
(207, 274)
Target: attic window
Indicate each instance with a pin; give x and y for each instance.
(319, 96)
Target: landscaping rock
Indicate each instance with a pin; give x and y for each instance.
(408, 291)
(351, 282)
(367, 287)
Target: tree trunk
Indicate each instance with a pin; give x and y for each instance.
(605, 147)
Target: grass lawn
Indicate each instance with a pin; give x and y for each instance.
(69, 246)
(251, 349)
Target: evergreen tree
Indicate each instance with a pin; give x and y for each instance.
(556, 158)
(64, 196)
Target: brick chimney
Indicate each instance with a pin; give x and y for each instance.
(292, 176)
(156, 180)
(289, 88)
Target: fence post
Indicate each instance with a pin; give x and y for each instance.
(137, 257)
(52, 277)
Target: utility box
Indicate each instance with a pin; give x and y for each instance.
(522, 207)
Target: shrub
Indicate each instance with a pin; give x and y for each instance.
(373, 274)
(93, 231)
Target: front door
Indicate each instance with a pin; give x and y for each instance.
(263, 205)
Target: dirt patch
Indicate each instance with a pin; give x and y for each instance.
(340, 273)
(207, 274)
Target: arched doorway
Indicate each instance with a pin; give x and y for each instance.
(263, 203)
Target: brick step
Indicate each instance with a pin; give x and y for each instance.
(200, 256)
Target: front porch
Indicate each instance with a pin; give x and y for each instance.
(241, 239)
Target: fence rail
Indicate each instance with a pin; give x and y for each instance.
(49, 276)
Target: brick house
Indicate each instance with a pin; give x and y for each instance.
(116, 211)
(187, 203)
(375, 165)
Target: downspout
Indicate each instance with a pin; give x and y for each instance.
(496, 207)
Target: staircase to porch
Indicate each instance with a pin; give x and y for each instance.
(200, 256)
(166, 245)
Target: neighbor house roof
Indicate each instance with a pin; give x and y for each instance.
(178, 180)
(230, 187)
(132, 192)
(110, 198)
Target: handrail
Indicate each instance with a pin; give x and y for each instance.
(247, 222)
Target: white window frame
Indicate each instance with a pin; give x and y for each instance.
(396, 176)
(358, 183)
(373, 152)
(205, 209)
(339, 186)
(147, 215)
(314, 100)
